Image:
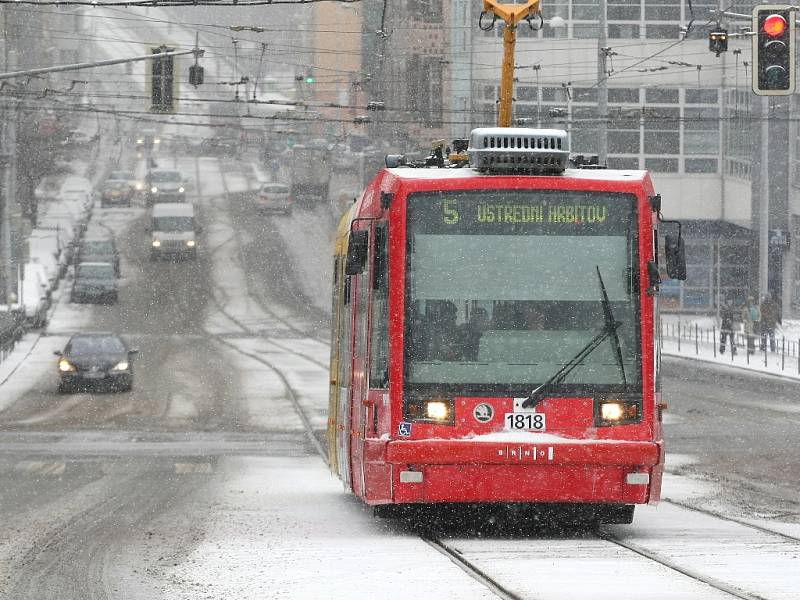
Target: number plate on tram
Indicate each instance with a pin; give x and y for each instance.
(525, 421)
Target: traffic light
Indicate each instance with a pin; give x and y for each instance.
(196, 75)
(773, 50)
(718, 41)
(162, 97)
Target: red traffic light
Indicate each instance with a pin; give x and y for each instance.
(775, 25)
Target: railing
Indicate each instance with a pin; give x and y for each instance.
(705, 341)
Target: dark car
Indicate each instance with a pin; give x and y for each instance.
(95, 282)
(116, 193)
(100, 249)
(95, 359)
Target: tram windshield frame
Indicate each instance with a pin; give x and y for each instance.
(501, 291)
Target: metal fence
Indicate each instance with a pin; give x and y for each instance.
(784, 353)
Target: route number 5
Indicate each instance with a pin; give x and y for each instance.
(451, 215)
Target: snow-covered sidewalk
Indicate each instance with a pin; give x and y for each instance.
(698, 338)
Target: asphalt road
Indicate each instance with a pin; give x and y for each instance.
(83, 477)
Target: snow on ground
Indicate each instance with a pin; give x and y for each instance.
(277, 535)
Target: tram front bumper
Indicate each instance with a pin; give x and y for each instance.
(443, 470)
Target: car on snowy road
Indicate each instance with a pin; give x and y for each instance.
(95, 359)
(116, 193)
(95, 282)
(274, 197)
(165, 186)
(94, 248)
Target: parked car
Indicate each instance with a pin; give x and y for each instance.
(35, 294)
(165, 186)
(98, 249)
(95, 359)
(77, 189)
(116, 193)
(274, 197)
(95, 282)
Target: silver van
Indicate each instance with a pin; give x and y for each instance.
(173, 231)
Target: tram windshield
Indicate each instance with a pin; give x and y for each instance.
(503, 290)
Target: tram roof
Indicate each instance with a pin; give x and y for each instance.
(468, 173)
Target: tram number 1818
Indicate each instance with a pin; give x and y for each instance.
(529, 421)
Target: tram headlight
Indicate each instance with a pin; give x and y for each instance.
(618, 411)
(437, 410)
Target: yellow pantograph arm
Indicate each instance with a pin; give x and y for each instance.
(511, 14)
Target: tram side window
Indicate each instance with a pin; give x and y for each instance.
(379, 342)
(346, 356)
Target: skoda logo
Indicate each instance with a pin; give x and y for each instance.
(483, 413)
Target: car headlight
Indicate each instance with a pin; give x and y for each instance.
(154, 189)
(139, 185)
(618, 411)
(156, 141)
(180, 190)
(190, 243)
(121, 366)
(140, 141)
(65, 366)
(156, 243)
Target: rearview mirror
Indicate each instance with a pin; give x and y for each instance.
(675, 253)
(356, 252)
(133, 352)
(57, 352)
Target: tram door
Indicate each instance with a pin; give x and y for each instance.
(358, 388)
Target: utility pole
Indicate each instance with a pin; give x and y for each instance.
(602, 85)
(9, 155)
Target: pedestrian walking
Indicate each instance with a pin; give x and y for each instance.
(728, 315)
(770, 317)
(751, 317)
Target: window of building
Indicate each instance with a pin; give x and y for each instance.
(584, 95)
(661, 96)
(630, 95)
(702, 96)
(557, 8)
(526, 93)
(661, 165)
(584, 130)
(623, 31)
(623, 162)
(661, 32)
(663, 10)
(700, 130)
(700, 165)
(585, 31)
(425, 10)
(624, 10)
(586, 10)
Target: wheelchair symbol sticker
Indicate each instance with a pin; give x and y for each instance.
(404, 429)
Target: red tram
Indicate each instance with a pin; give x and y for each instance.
(494, 332)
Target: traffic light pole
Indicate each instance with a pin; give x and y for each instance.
(763, 205)
(99, 63)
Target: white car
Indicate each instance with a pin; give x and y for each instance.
(274, 197)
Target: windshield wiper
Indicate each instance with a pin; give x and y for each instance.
(609, 329)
